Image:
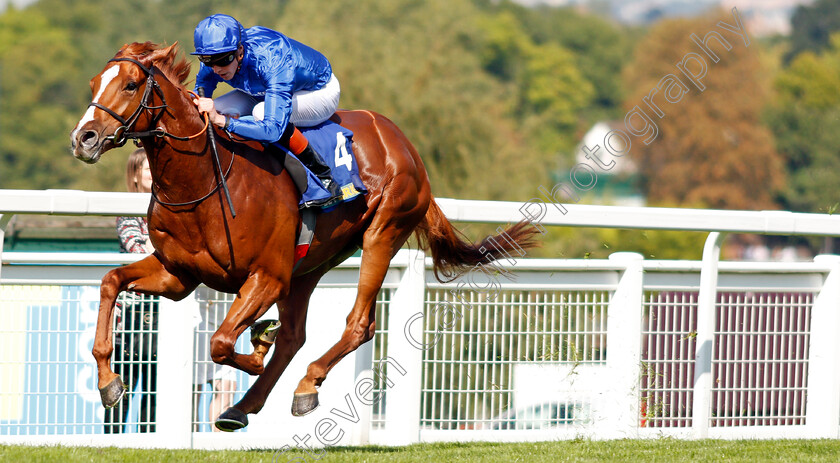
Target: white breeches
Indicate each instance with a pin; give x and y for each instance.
(309, 107)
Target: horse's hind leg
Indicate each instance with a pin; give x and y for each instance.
(361, 325)
(388, 231)
(290, 338)
(147, 276)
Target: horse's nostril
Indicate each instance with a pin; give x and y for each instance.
(88, 138)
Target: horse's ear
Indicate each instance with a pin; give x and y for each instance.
(171, 51)
(181, 67)
(122, 50)
(167, 59)
(163, 57)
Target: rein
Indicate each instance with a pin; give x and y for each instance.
(196, 201)
(122, 134)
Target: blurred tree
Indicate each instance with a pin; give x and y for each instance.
(38, 88)
(482, 134)
(49, 52)
(805, 119)
(548, 90)
(812, 25)
(599, 47)
(410, 61)
(711, 148)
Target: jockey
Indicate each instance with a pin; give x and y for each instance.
(280, 82)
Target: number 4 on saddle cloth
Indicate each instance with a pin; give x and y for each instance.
(334, 143)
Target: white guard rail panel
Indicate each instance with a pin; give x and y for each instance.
(540, 349)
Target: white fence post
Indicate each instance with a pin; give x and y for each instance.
(624, 320)
(364, 373)
(823, 397)
(4, 222)
(705, 341)
(175, 372)
(402, 407)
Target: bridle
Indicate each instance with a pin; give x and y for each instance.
(124, 132)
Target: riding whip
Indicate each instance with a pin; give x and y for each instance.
(211, 134)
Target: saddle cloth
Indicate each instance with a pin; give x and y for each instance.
(334, 143)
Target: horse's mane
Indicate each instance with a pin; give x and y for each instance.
(164, 58)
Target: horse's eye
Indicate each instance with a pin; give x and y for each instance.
(132, 86)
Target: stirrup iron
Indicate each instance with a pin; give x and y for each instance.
(265, 330)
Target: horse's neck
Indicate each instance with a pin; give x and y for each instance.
(182, 170)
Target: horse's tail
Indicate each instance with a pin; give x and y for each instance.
(453, 255)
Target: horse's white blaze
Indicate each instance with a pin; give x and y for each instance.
(106, 79)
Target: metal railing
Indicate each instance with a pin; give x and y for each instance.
(612, 348)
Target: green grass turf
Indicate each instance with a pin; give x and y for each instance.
(665, 450)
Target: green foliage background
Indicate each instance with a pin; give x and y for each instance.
(495, 97)
(486, 91)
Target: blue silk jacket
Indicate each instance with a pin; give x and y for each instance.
(273, 68)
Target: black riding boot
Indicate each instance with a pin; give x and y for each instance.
(316, 164)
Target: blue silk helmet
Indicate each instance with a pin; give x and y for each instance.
(216, 34)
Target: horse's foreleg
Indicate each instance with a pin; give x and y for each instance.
(255, 297)
(290, 338)
(146, 276)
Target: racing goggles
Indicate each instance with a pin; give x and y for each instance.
(219, 59)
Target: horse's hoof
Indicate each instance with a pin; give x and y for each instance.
(231, 420)
(265, 330)
(303, 404)
(112, 393)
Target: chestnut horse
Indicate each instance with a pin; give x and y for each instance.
(140, 94)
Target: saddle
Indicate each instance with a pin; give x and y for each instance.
(334, 143)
